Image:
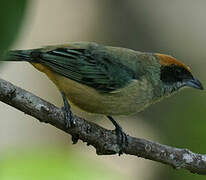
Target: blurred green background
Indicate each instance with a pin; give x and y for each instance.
(31, 150)
(11, 16)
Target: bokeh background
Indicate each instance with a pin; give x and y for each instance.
(32, 150)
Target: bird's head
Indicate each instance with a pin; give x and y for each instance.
(175, 75)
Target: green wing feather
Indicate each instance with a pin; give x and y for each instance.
(99, 70)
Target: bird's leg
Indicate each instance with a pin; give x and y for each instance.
(68, 114)
(69, 121)
(122, 137)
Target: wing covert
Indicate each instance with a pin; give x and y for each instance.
(101, 72)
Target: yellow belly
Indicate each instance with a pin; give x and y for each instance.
(90, 100)
(82, 96)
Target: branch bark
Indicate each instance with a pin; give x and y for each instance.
(103, 140)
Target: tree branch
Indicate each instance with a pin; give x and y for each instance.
(103, 140)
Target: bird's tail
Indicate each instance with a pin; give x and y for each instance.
(18, 55)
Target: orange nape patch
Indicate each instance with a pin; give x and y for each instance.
(167, 60)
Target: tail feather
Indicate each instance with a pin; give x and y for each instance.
(18, 55)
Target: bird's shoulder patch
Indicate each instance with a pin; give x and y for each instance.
(167, 60)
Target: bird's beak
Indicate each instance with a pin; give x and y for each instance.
(195, 83)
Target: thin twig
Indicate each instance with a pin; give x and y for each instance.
(103, 140)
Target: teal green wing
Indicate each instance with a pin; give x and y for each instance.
(96, 70)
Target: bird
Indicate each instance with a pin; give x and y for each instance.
(108, 80)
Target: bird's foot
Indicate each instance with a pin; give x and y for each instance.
(122, 139)
(121, 136)
(69, 120)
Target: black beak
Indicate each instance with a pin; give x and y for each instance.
(195, 83)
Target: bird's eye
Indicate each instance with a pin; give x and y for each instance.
(178, 72)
